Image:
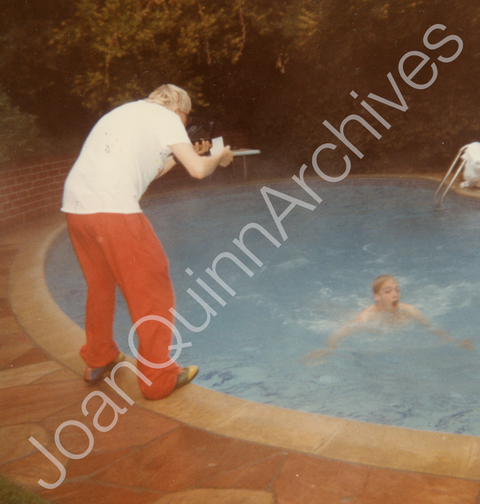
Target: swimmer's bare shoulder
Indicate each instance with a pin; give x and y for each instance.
(367, 315)
(408, 307)
(412, 313)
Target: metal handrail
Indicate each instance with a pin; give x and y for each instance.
(459, 169)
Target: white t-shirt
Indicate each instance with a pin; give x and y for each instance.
(121, 156)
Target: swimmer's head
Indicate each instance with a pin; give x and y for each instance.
(386, 292)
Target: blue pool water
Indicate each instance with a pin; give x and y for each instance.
(317, 279)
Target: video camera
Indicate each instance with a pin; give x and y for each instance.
(199, 129)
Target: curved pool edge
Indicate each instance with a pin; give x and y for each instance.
(347, 440)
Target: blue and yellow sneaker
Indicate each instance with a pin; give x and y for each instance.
(186, 376)
(94, 375)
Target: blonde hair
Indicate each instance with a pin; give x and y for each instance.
(171, 97)
(379, 281)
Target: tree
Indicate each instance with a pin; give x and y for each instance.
(274, 68)
(126, 48)
(37, 80)
(334, 48)
(19, 135)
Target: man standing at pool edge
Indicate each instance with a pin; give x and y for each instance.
(113, 240)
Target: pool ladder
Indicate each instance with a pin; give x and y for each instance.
(457, 173)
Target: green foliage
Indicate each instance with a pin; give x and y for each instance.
(274, 68)
(19, 136)
(36, 78)
(13, 494)
(126, 48)
(335, 48)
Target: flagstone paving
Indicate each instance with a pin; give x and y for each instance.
(149, 457)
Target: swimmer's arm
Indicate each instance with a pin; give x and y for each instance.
(354, 325)
(443, 335)
(313, 358)
(418, 316)
(343, 332)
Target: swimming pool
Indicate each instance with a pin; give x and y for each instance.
(315, 280)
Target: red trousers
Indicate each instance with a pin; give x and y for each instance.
(123, 249)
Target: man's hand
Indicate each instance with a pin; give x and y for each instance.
(202, 147)
(200, 166)
(226, 156)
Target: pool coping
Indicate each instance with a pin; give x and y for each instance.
(336, 438)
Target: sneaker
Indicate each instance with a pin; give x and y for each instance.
(94, 375)
(186, 376)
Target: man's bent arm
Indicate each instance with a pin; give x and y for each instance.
(200, 166)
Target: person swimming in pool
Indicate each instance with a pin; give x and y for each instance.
(386, 312)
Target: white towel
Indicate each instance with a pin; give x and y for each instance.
(471, 171)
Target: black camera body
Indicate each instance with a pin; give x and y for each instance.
(199, 130)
